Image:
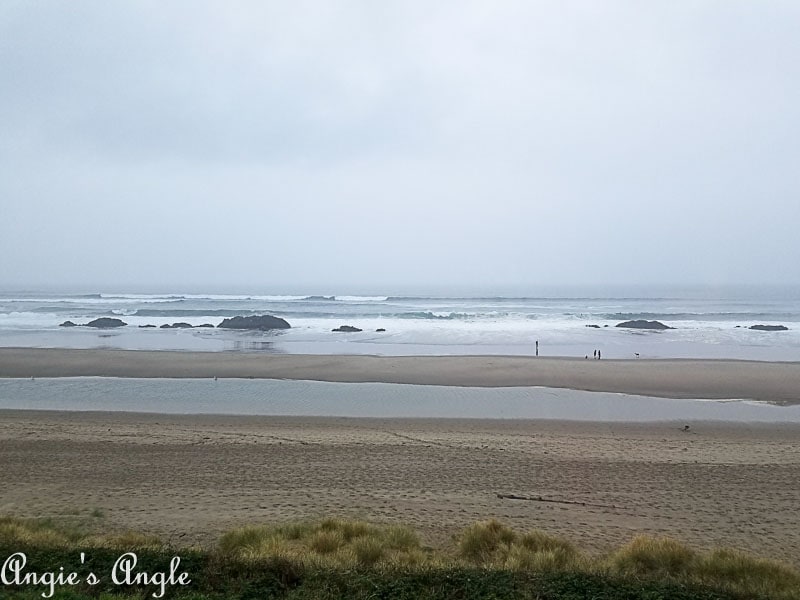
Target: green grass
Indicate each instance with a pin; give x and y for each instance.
(337, 559)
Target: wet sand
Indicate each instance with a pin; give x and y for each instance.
(188, 478)
(777, 382)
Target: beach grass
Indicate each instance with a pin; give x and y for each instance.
(339, 558)
(328, 543)
(492, 544)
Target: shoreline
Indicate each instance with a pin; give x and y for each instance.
(713, 379)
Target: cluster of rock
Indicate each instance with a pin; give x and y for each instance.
(256, 322)
(638, 324)
(101, 323)
(351, 329)
(642, 324)
(177, 326)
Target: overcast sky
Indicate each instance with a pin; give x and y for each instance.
(364, 144)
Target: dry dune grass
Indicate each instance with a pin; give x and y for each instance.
(491, 545)
(654, 557)
(330, 542)
(46, 533)
(722, 568)
(34, 532)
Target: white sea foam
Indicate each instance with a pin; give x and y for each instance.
(29, 320)
(703, 327)
(142, 296)
(91, 301)
(213, 297)
(361, 298)
(234, 298)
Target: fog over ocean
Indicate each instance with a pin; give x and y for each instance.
(708, 323)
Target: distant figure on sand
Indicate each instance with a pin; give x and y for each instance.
(537, 347)
(594, 355)
(598, 355)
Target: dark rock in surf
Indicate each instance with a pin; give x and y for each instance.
(769, 327)
(176, 326)
(106, 323)
(379, 330)
(205, 325)
(67, 324)
(347, 329)
(148, 326)
(594, 326)
(257, 322)
(641, 324)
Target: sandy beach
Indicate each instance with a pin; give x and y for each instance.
(189, 478)
(777, 382)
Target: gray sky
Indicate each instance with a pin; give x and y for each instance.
(369, 144)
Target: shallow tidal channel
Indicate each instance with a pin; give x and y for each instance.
(271, 397)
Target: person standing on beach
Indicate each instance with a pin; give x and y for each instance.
(598, 355)
(594, 355)
(537, 347)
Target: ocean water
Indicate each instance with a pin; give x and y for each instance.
(708, 322)
(378, 400)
